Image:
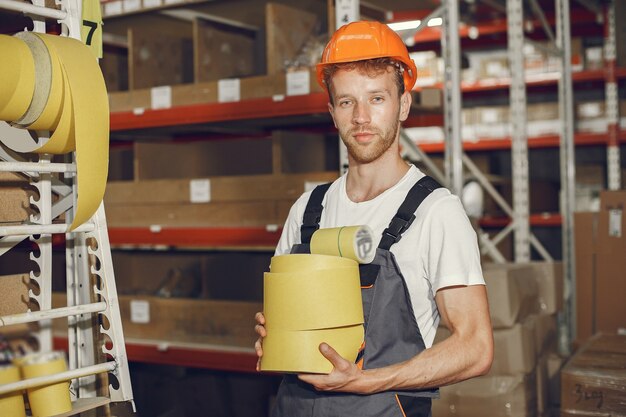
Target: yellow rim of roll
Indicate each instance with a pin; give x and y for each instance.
(298, 351)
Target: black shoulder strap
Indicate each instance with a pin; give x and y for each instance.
(313, 213)
(406, 213)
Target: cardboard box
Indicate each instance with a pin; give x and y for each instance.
(549, 277)
(497, 396)
(178, 320)
(220, 189)
(610, 311)
(512, 293)
(545, 332)
(594, 379)
(15, 194)
(548, 374)
(586, 225)
(14, 290)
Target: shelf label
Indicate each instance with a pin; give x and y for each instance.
(615, 223)
(132, 5)
(112, 8)
(161, 97)
(346, 11)
(228, 90)
(200, 190)
(298, 83)
(151, 3)
(139, 311)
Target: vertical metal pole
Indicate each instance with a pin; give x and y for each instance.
(451, 52)
(612, 102)
(568, 174)
(346, 11)
(519, 139)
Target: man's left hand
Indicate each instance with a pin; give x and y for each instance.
(344, 376)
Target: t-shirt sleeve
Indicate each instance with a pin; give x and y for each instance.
(453, 257)
(291, 230)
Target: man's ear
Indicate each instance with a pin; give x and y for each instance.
(405, 105)
(331, 110)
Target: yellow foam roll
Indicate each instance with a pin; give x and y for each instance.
(298, 351)
(313, 299)
(353, 242)
(17, 73)
(52, 399)
(11, 404)
(306, 262)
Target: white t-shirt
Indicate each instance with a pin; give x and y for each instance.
(439, 250)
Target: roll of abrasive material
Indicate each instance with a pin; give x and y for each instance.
(48, 400)
(310, 299)
(11, 404)
(354, 242)
(53, 87)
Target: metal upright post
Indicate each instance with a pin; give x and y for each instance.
(568, 174)
(519, 139)
(612, 102)
(451, 52)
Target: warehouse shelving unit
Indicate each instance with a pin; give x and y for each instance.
(93, 316)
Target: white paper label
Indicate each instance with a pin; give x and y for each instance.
(200, 191)
(490, 116)
(346, 11)
(132, 5)
(228, 90)
(151, 3)
(112, 7)
(615, 223)
(594, 53)
(139, 311)
(298, 83)
(161, 97)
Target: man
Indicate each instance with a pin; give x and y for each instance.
(427, 266)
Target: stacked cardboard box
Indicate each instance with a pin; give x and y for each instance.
(594, 379)
(600, 264)
(523, 380)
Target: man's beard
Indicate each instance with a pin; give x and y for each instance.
(371, 152)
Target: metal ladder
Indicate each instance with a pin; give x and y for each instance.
(91, 288)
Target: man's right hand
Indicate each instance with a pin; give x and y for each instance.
(259, 328)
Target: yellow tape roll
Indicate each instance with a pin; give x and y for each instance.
(353, 242)
(71, 102)
(18, 78)
(306, 262)
(313, 299)
(11, 404)
(52, 399)
(298, 351)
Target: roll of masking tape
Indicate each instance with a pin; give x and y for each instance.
(310, 299)
(62, 84)
(11, 404)
(52, 399)
(353, 242)
(317, 299)
(300, 349)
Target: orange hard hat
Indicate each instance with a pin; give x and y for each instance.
(359, 41)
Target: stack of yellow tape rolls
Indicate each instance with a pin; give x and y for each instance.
(314, 298)
(53, 86)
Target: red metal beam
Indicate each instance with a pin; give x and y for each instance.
(195, 237)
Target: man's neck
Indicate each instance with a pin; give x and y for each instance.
(367, 181)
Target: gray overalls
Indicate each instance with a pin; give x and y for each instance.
(391, 332)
